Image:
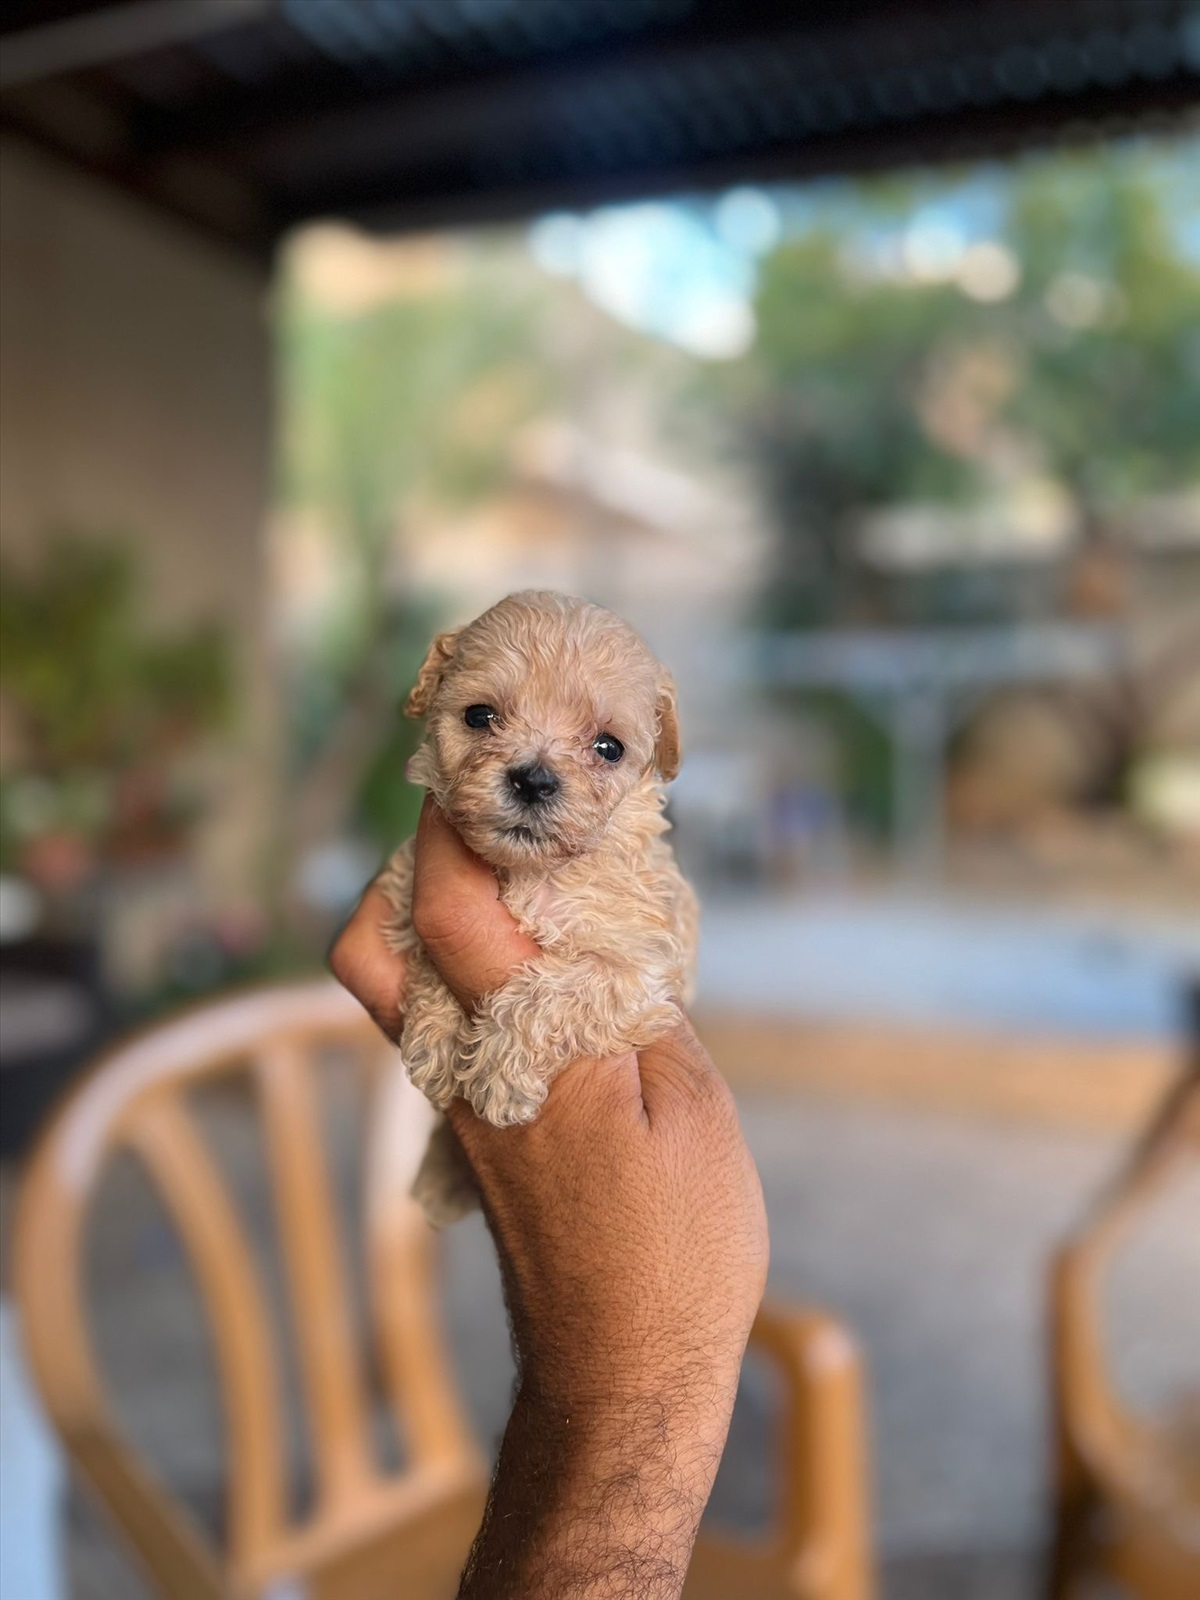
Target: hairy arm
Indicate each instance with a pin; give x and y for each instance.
(629, 1224)
(587, 1508)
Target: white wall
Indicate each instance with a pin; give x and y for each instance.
(135, 389)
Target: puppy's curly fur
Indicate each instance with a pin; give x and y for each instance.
(583, 867)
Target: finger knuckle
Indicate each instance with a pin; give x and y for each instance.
(345, 955)
(445, 923)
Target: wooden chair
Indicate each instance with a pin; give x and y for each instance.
(369, 1535)
(1127, 1490)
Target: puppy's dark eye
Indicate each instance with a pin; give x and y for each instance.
(479, 716)
(604, 744)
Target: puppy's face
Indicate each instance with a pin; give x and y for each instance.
(543, 714)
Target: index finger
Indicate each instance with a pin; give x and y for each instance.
(470, 934)
(362, 963)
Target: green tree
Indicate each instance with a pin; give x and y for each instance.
(855, 394)
(1112, 401)
(830, 416)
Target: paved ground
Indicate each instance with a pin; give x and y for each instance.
(929, 1234)
(948, 961)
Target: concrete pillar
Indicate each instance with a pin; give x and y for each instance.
(918, 726)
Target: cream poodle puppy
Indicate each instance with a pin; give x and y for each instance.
(551, 732)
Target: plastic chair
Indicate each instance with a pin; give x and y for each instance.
(369, 1535)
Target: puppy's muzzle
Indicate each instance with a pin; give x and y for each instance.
(533, 785)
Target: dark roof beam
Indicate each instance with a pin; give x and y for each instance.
(326, 89)
(112, 33)
(412, 199)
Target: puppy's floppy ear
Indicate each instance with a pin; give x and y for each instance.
(667, 751)
(441, 653)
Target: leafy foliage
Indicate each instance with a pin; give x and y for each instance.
(90, 688)
(1114, 404)
(873, 385)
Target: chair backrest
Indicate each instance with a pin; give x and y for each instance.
(135, 1100)
(1115, 1472)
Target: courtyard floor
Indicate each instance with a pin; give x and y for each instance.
(928, 1232)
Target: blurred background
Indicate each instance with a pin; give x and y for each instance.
(853, 354)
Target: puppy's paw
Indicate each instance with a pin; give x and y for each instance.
(430, 1056)
(444, 1186)
(651, 1024)
(503, 1103)
(500, 1077)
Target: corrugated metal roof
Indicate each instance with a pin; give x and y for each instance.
(252, 115)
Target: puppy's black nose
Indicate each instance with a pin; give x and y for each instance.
(533, 786)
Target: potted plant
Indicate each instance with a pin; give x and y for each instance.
(98, 713)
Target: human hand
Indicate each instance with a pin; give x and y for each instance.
(632, 1238)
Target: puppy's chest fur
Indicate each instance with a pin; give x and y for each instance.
(625, 901)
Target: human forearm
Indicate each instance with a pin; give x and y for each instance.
(630, 1228)
(596, 1504)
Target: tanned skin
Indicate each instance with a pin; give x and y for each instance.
(632, 1239)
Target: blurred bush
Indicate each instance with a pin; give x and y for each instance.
(100, 710)
(954, 340)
